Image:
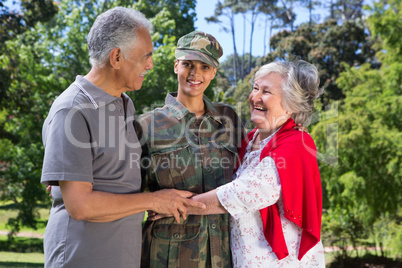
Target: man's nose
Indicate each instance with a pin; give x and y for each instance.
(151, 63)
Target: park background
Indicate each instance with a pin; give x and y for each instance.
(356, 45)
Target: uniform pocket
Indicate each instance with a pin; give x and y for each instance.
(172, 167)
(176, 245)
(176, 232)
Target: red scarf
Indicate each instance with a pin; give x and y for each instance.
(295, 157)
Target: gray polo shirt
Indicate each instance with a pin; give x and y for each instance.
(89, 136)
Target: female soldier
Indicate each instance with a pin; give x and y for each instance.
(191, 144)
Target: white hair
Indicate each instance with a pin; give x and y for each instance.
(116, 27)
(299, 86)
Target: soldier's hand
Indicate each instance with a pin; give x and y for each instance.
(49, 190)
(174, 202)
(300, 127)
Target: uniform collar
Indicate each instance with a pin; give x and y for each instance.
(96, 95)
(179, 110)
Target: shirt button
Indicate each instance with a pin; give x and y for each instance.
(209, 169)
(213, 225)
(176, 235)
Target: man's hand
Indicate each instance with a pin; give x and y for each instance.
(172, 202)
(84, 203)
(153, 216)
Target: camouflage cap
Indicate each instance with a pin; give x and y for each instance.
(199, 46)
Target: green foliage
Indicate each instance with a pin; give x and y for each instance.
(326, 46)
(13, 23)
(181, 12)
(25, 104)
(159, 81)
(363, 190)
(227, 67)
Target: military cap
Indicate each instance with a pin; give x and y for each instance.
(199, 46)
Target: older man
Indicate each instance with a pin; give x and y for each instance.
(92, 153)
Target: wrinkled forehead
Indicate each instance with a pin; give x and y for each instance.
(271, 80)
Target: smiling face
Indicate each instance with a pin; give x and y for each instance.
(193, 76)
(266, 108)
(138, 61)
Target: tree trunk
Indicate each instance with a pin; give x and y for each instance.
(242, 75)
(232, 27)
(343, 15)
(253, 19)
(270, 35)
(265, 34)
(332, 10)
(291, 15)
(382, 249)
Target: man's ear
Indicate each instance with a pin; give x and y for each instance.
(115, 58)
(176, 69)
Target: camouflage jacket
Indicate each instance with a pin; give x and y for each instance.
(182, 152)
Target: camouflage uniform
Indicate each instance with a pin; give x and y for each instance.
(185, 153)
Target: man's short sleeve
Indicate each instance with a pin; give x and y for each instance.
(68, 149)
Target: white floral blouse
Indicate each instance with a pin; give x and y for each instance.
(256, 185)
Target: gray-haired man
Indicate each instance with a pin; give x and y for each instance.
(92, 153)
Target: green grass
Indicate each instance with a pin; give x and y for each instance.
(16, 259)
(21, 244)
(9, 210)
(21, 251)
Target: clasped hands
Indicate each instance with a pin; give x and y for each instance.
(191, 207)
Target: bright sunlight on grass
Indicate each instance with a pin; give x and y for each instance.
(16, 259)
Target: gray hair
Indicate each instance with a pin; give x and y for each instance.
(299, 86)
(116, 27)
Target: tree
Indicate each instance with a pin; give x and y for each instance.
(182, 12)
(274, 16)
(228, 71)
(41, 62)
(18, 131)
(310, 4)
(345, 9)
(227, 10)
(254, 8)
(290, 15)
(326, 46)
(13, 23)
(363, 190)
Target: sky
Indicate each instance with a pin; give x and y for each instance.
(206, 8)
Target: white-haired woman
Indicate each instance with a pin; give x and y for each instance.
(275, 198)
